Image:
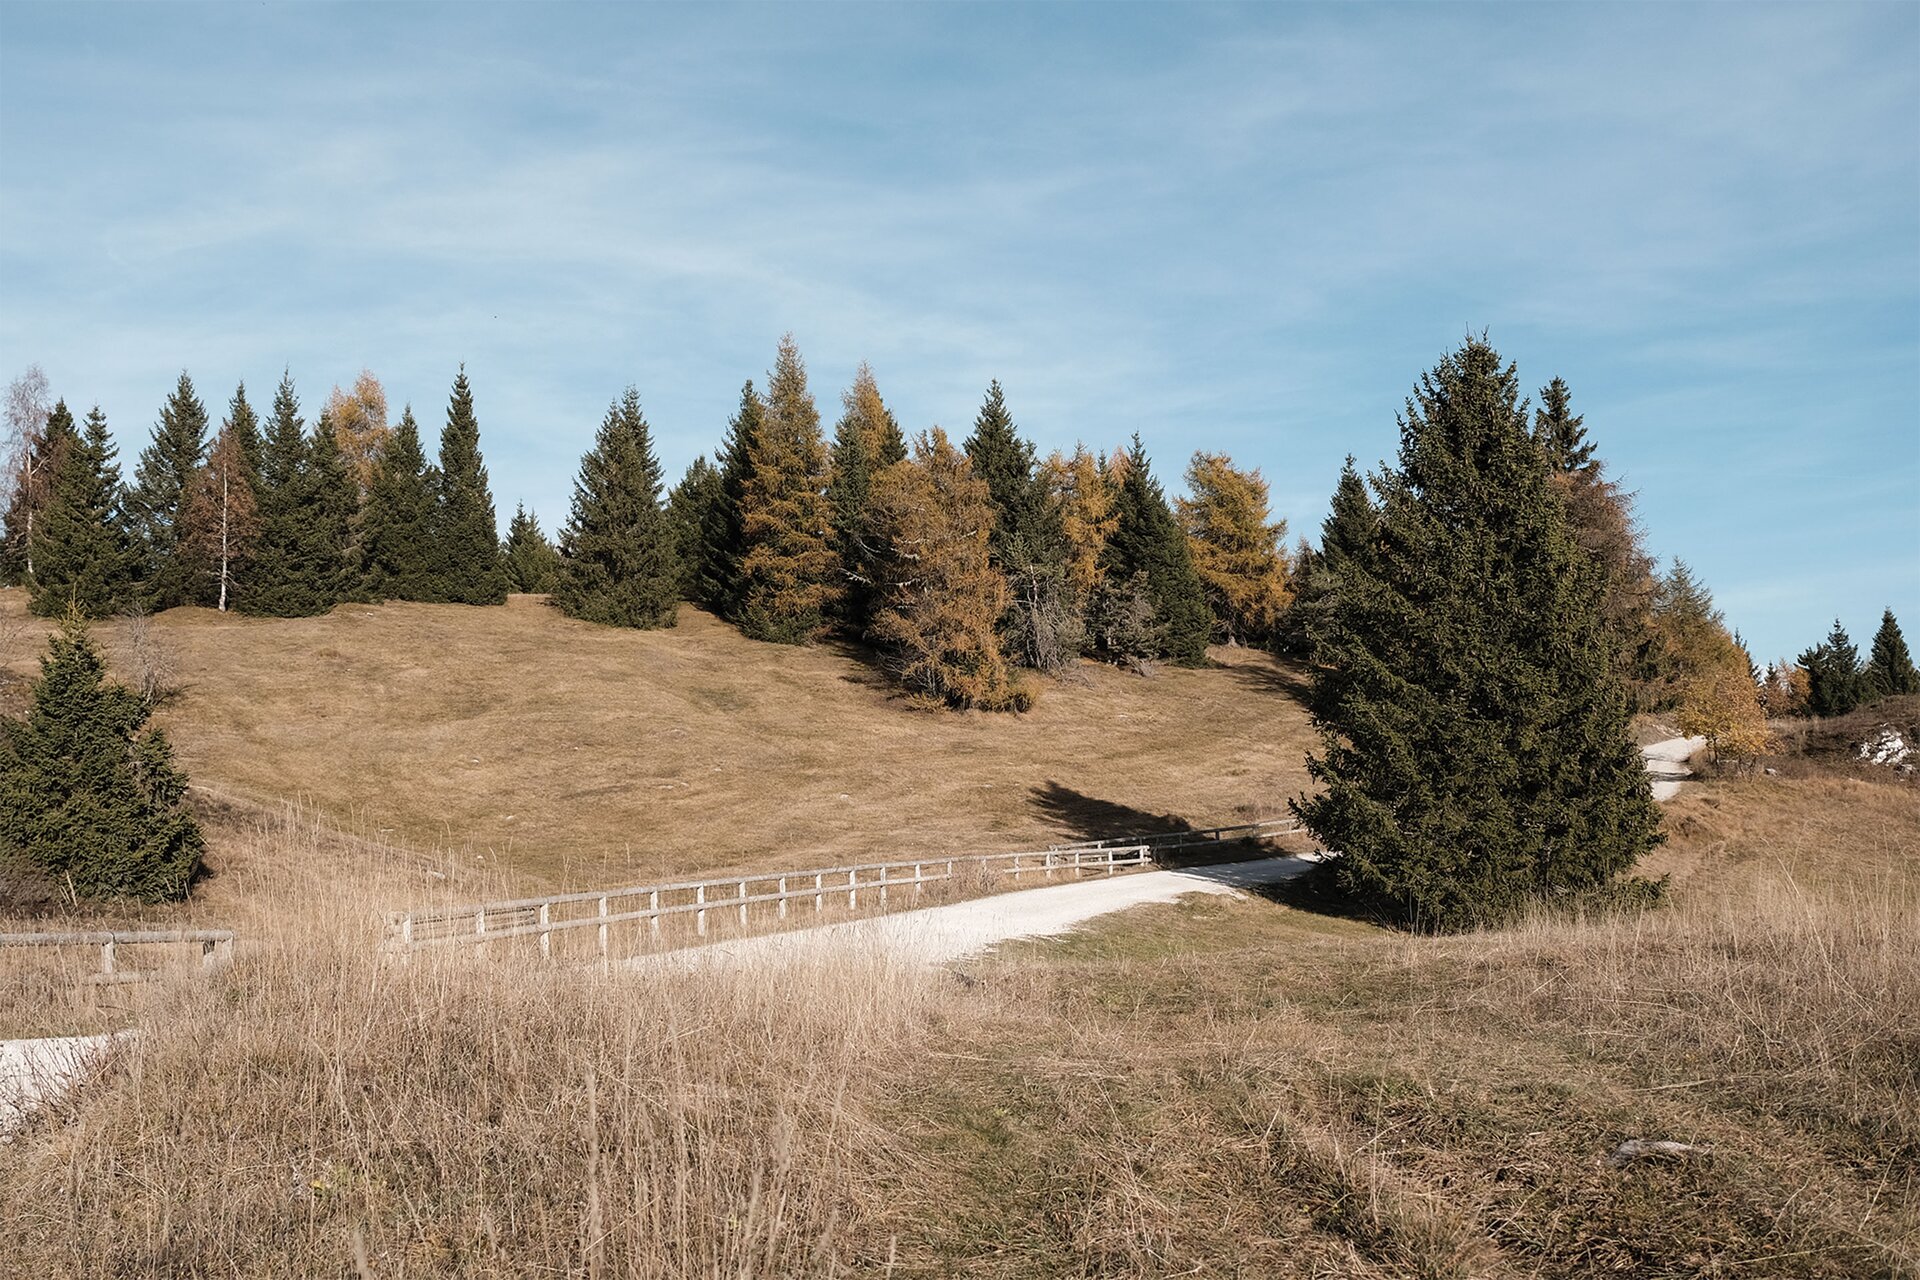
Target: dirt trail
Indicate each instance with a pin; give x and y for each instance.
(1667, 764)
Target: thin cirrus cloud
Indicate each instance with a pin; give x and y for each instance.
(1235, 228)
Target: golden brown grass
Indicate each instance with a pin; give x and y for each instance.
(577, 755)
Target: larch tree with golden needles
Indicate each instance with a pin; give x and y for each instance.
(866, 442)
(1722, 705)
(1082, 487)
(1236, 548)
(359, 421)
(941, 595)
(789, 568)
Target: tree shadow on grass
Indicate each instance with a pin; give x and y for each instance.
(1085, 817)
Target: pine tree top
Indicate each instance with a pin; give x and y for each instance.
(1560, 433)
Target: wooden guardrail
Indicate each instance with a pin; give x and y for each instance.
(216, 948)
(648, 905)
(543, 917)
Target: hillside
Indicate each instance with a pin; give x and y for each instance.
(558, 752)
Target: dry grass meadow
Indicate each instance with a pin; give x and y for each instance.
(1242, 1087)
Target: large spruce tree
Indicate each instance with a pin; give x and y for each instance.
(789, 571)
(1475, 746)
(693, 508)
(466, 538)
(1026, 530)
(397, 529)
(717, 581)
(619, 564)
(532, 563)
(1890, 669)
(1834, 676)
(1350, 532)
(1147, 544)
(335, 510)
(88, 794)
(158, 499)
(297, 559)
(85, 558)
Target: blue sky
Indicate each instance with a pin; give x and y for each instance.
(1237, 228)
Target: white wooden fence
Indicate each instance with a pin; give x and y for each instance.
(645, 906)
(216, 948)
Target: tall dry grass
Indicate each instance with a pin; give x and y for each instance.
(315, 1105)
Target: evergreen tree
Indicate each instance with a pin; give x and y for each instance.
(87, 792)
(1833, 674)
(246, 432)
(298, 562)
(1146, 539)
(866, 442)
(158, 498)
(1475, 744)
(1890, 670)
(1348, 539)
(789, 570)
(397, 550)
(1236, 549)
(618, 561)
(84, 556)
(940, 593)
(1603, 523)
(334, 510)
(1561, 433)
(718, 581)
(466, 538)
(694, 509)
(1026, 524)
(532, 563)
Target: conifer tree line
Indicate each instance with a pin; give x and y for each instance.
(270, 515)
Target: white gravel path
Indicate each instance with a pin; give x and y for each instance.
(935, 935)
(1667, 764)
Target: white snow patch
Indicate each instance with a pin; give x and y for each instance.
(36, 1071)
(1885, 747)
(1667, 764)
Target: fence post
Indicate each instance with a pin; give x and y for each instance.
(546, 934)
(700, 916)
(819, 898)
(653, 905)
(853, 892)
(106, 956)
(480, 923)
(406, 932)
(883, 888)
(603, 930)
(783, 897)
(916, 880)
(743, 902)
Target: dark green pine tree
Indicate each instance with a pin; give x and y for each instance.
(85, 557)
(161, 483)
(1148, 540)
(1561, 433)
(694, 508)
(532, 563)
(849, 494)
(1890, 670)
(618, 561)
(723, 535)
(397, 553)
(1475, 744)
(246, 432)
(297, 561)
(88, 794)
(1349, 533)
(1026, 530)
(467, 538)
(1834, 684)
(335, 511)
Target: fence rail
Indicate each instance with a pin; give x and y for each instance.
(216, 948)
(647, 905)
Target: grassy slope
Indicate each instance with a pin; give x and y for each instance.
(583, 755)
(1239, 1088)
